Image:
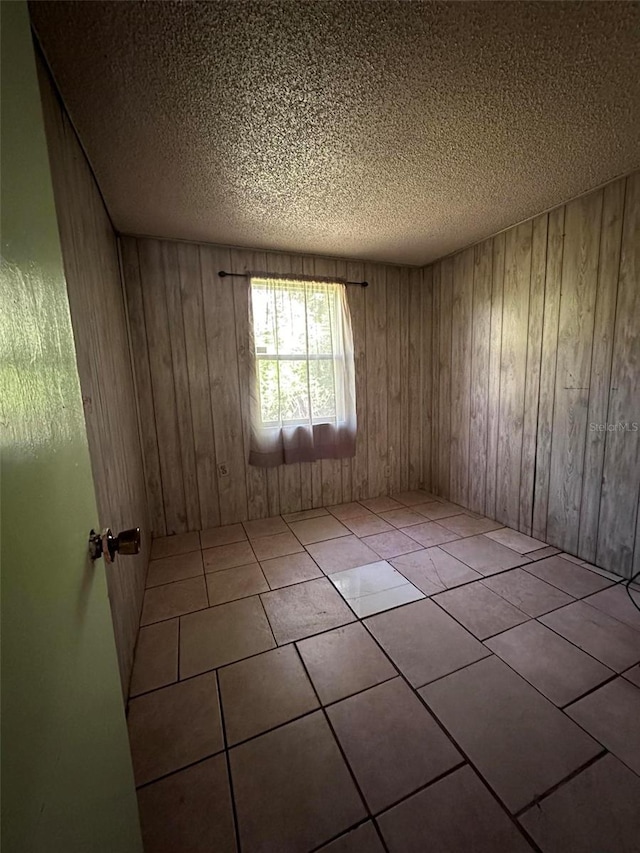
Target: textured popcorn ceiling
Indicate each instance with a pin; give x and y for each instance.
(382, 130)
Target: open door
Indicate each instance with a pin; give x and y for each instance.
(67, 783)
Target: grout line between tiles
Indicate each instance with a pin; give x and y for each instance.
(562, 782)
(236, 825)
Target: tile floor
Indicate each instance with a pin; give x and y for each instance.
(393, 675)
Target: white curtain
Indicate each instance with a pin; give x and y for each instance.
(303, 401)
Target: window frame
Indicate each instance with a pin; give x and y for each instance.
(293, 357)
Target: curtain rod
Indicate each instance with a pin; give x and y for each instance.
(223, 274)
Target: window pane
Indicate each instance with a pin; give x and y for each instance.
(294, 396)
(323, 400)
(269, 402)
(319, 321)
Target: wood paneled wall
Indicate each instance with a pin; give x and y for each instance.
(190, 340)
(98, 314)
(536, 342)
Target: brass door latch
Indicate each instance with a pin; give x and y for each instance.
(107, 545)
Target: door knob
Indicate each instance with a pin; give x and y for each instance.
(106, 544)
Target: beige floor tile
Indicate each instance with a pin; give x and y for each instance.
(156, 659)
(459, 812)
(180, 543)
(555, 667)
(189, 811)
(304, 609)
(611, 714)
(516, 541)
(568, 576)
(543, 553)
(347, 510)
(430, 534)
(435, 510)
(402, 517)
(597, 810)
(176, 568)
(484, 555)
(480, 610)
(318, 529)
(467, 525)
(612, 642)
(232, 584)
(293, 568)
(174, 726)
(336, 555)
(293, 790)
(433, 570)
(228, 556)
(385, 599)
(619, 603)
(367, 525)
(392, 743)
(344, 661)
(174, 599)
(410, 634)
(520, 743)
(382, 504)
(413, 498)
(527, 592)
(279, 545)
(363, 839)
(265, 527)
(226, 535)
(305, 514)
(223, 634)
(392, 544)
(263, 692)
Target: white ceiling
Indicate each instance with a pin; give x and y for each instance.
(395, 131)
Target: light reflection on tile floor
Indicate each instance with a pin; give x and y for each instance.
(284, 665)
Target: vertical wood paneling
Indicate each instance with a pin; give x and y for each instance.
(181, 384)
(444, 375)
(607, 291)
(220, 333)
(407, 346)
(546, 396)
(99, 317)
(140, 355)
(495, 360)
(204, 362)
(621, 475)
(393, 378)
(481, 331)
(434, 403)
(532, 371)
(162, 384)
(515, 308)
(461, 326)
(573, 367)
(377, 441)
(420, 379)
(555, 353)
(190, 278)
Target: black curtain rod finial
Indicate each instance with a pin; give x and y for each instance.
(223, 274)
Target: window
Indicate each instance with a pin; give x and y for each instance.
(303, 360)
